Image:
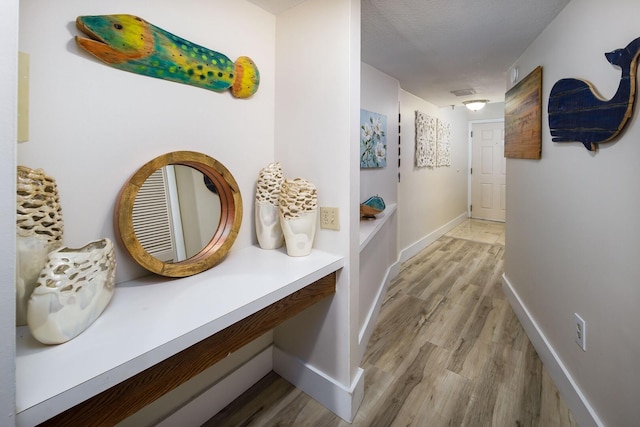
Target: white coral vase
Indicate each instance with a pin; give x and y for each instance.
(39, 228)
(74, 288)
(268, 229)
(298, 215)
(299, 233)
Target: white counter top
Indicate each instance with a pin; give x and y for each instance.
(151, 319)
(369, 227)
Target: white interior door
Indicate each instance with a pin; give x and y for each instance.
(488, 171)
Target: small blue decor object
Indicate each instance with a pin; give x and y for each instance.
(373, 140)
(578, 113)
(371, 207)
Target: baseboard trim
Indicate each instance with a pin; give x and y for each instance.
(369, 325)
(412, 250)
(342, 401)
(197, 411)
(578, 404)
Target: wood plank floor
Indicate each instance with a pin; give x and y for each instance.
(447, 351)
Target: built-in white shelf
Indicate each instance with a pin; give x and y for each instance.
(151, 319)
(369, 227)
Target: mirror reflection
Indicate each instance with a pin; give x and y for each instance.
(176, 213)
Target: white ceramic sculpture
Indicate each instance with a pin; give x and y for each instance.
(268, 229)
(73, 289)
(298, 215)
(39, 229)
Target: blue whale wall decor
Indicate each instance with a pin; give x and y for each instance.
(578, 113)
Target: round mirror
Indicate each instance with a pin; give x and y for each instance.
(179, 214)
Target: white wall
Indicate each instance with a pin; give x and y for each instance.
(317, 116)
(573, 238)
(379, 94)
(491, 111)
(93, 126)
(8, 137)
(430, 198)
(378, 266)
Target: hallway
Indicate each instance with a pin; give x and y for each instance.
(447, 351)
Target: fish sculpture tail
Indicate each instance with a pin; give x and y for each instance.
(247, 78)
(132, 44)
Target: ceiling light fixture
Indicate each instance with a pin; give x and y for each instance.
(475, 104)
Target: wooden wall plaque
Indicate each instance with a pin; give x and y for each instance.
(523, 118)
(578, 113)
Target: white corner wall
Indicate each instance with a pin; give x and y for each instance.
(93, 126)
(572, 230)
(316, 136)
(8, 137)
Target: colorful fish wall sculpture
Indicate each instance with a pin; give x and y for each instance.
(132, 44)
(578, 113)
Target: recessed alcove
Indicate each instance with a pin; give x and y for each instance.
(93, 126)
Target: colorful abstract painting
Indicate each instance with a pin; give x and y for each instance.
(523, 118)
(373, 140)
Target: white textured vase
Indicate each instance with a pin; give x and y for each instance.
(298, 215)
(268, 229)
(39, 228)
(72, 291)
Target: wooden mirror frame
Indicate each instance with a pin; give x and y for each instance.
(218, 246)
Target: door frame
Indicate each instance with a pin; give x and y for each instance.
(470, 147)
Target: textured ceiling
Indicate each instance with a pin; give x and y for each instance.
(276, 6)
(434, 47)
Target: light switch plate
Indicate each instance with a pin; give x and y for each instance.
(330, 218)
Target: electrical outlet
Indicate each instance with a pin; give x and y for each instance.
(581, 331)
(330, 218)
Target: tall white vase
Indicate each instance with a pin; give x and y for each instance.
(268, 229)
(39, 228)
(74, 288)
(298, 215)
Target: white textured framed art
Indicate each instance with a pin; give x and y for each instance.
(444, 144)
(433, 141)
(426, 137)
